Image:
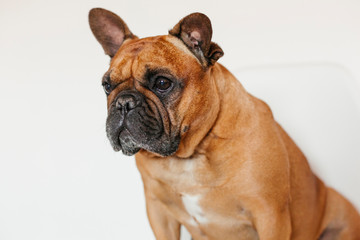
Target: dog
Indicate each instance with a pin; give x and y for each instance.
(211, 156)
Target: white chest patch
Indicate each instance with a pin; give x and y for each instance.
(191, 204)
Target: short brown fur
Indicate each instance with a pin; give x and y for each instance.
(254, 182)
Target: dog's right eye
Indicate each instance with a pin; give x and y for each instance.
(162, 84)
(107, 87)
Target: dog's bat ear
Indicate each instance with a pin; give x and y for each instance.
(109, 29)
(195, 31)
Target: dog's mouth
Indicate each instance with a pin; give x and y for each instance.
(138, 129)
(129, 134)
(130, 142)
(126, 143)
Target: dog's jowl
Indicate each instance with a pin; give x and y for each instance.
(211, 156)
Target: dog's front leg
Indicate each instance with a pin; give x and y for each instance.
(273, 224)
(164, 226)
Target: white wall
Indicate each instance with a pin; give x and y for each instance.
(59, 178)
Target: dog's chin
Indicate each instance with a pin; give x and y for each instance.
(129, 146)
(126, 143)
(130, 152)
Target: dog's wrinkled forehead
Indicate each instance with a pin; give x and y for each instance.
(135, 57)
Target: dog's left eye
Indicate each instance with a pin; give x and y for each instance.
(162, 84)
(107, 87)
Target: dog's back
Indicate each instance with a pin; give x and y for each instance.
(320, 210)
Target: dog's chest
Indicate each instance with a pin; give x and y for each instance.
(192, 190)
(208, 220)
(183, 175)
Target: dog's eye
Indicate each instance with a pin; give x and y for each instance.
(162, 84)
(107, 87)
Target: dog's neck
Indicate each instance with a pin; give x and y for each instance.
(235, 103)
(238, 115)
(234, 115)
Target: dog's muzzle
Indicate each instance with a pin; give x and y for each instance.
(133, 125)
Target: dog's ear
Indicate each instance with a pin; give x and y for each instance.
(195, 31)
(109, 29)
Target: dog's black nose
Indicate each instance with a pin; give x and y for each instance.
(127, 102)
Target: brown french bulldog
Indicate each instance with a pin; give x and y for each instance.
(211, 156)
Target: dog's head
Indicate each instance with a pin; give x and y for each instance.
(160, 93)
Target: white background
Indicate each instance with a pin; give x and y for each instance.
(60, 179)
